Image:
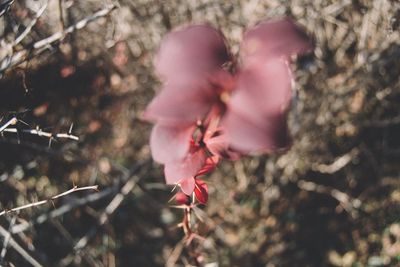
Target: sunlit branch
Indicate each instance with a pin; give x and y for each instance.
(39, 203)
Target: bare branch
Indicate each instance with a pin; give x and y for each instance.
(83, 201)
(37, 131)
(21, 251)
(111, 207)
(30, 26)
(60, 10)
(7, 240)
(338, 164)
(351, 205)
(21, 227)
(41, 133)
(5, 6)
(12, 121)
(39, 203)
(40, 46)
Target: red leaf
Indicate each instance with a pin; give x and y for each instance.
(274, 38)
(209, 166)
(201, 191)
(170, 143)
(180, 171)
(181, 198)
(194, 50)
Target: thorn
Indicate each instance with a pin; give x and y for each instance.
(171, 199)
(175, 186)
(23, 122)
(70, 128)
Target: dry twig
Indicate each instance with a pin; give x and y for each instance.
(338, 164)
(30, 26)
(111, 207)
(42, 133)
(351, 205)
(21, 251)
(7, 240)
(13, 121)
(23, 226)
(40, 46)
(39, 203)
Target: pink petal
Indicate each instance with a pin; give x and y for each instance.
(274, 38)
(196, 49)
(220, 147)
(261, 134)
(179, 171)
(187, 185)
(265, 87)
(170, 143)
(182, 103)
(256, 116)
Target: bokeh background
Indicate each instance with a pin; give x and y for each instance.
(332, 200)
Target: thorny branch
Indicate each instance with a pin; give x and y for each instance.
(39, 203)
(190, 234)
(13, 121)
(7, 233)
(82, 201)
(40, 132)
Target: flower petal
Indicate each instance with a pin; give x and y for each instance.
(265, 87)
(181, 103)
(170, 143)
(220, 147)
(187, 185)
(256, 116)
(256, 134)
(196, 50)
(274, 38)
(177, 172)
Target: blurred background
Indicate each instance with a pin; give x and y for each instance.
(332, 200)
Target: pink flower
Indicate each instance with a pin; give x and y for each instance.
(206, 111)
(256, 116)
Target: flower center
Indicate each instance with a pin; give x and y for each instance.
(224, 97)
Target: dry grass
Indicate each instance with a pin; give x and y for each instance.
(332, 200)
